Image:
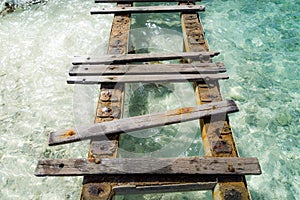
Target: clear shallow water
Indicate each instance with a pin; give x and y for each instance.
(259, 43)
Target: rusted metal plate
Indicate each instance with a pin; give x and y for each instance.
(101, 149)
(110, 94)
(116, 166)
(148, 9)
(217, 136)
(146, 69)
(116, 127)
(149, 57)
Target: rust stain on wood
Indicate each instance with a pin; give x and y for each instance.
(181, 111)
(68, 133)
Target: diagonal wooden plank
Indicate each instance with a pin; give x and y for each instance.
(144, 78)
(149, 57)
(148, 9)
(145, 69)
(116, 127)
(116, 166)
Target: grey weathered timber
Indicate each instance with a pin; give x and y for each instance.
(115, 166)
(132, 1)
(145, 69)
(148, 9)
(102, 130)
(126, 58)
(144, 78)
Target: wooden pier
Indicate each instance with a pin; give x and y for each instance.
(105, 175)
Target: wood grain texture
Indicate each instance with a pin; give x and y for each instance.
(146, 69)
(187, 165)
(149, 57)
(148, 9)
(144, 78)
(116, 127)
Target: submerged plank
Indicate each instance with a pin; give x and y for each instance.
(148, 9)
(116, 166)
(146, 69)
(125, 58)
(102, 130)
(144, 78)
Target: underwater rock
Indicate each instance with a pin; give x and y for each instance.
(9, 6)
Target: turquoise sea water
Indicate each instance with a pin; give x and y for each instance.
(258, 41)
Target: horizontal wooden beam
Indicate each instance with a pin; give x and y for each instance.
(149, 57)
(116, 166)
(111, 128)
(146, 69)
(145, 1)
(144, 78)
(148, 9)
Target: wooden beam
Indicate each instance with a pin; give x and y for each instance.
(144, 78)
(116, 127)
(149, 57)
(148, 9)
(146, 69)
(116, 166)
(145, 1)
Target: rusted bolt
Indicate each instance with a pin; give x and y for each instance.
(106, 110)
(106, 94)
(97, 160)
(103, 147)
(95, 190)
(233, 194)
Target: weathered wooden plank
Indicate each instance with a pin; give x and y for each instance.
(116, 127)
(126, 58)
(148, 9)
(132, 1)
(115, 166)
(146, 69)
(143, 78)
